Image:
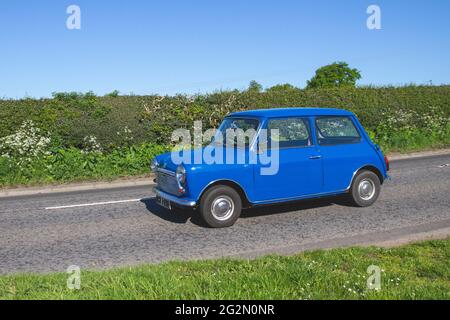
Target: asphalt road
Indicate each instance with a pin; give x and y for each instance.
(34, 238)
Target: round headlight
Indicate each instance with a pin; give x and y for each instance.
(154, 164)
(181, 175)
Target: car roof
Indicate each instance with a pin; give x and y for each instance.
(291, 112)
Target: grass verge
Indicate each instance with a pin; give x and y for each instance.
(415, 271)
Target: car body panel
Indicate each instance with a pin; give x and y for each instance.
(299, 172)
(298, 175)
(200, 176)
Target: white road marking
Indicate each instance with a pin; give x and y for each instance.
(94, 204)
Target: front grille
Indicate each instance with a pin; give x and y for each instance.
(167, 182)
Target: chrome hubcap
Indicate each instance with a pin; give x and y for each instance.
(222, 208)
(366, 189)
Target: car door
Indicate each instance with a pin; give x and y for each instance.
(343, 149)
(299, 163)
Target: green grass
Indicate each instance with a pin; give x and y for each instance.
(414, 140)
(416, 271)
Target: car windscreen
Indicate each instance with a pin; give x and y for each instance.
(238, 132)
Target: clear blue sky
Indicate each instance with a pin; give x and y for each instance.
(194, 46)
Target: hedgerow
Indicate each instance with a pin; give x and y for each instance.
(72, 164)
(75, 136)
(71, 117)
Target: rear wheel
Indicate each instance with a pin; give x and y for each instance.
(365, 189)
(220, 206)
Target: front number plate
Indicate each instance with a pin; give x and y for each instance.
(163, 202)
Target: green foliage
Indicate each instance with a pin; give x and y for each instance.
(25, 145)
(113, 94)
(416, 271)
(282, 88)
(254, 86)
(70, 117)
(334, 75)
(72, 164)
(94, 132)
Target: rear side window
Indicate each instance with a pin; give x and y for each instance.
(336, 130)
(292, 132)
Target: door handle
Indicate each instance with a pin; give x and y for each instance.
(315, 157)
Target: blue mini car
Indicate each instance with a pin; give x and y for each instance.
(286, 155)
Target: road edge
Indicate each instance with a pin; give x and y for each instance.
(74, 187)
(148, 181)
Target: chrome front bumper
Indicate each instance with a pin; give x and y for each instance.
(174, 199)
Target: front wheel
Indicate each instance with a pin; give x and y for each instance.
(220, 206)
(365, 189)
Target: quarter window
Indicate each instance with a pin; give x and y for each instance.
(292, 132)
(336, 130)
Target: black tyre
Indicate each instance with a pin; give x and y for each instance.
(220, 206)
(365, 189)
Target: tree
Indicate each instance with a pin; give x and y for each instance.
(254, 86)
(113, 94)
(281, 88)
(334, 75)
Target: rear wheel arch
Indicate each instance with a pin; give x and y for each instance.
(368, 168)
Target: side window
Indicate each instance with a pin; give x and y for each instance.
(336, 130)
(292, 132)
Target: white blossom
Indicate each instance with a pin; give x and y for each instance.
(90, 144)
(25, 144)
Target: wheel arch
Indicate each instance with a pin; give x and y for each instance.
(232, 184)
(368, 168)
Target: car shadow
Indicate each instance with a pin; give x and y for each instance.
(299, 205)
(182, 216)
(176, 216)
